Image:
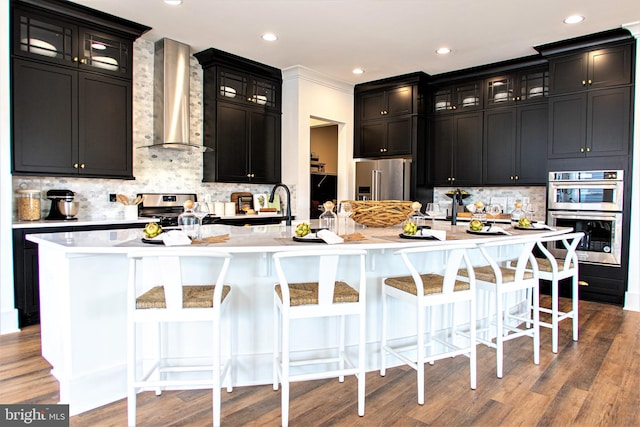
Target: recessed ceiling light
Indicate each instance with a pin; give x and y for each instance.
(573, 19)
(358, 71)
(173, 2)
(443, 51)
(270, 37)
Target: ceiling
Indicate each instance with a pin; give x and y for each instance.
(384, 37)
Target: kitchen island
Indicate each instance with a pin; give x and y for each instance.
(83, 281)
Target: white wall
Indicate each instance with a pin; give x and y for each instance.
(8, 314)
(306, 94)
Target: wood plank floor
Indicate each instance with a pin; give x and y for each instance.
(594, 382)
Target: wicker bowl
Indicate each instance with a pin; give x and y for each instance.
(380, 213)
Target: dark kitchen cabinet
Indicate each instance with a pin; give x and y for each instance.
(460, 97)
(525, 86)
(242, 119)
(389, 117)
(589, 124)
(593, 69)
(70, 123)
(456, 156)
(515, 145)
(71, 91)
(26, 277)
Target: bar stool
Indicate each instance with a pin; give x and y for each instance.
(554, 270)
(309, 288)
(158, 297)
(499, 280)
(427, 291)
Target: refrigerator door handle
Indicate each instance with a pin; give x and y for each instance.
(376, 184)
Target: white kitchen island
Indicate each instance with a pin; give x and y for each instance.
(83, 281)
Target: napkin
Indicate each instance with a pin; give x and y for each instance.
(496, 229)
(329, 237)
(438, 234)
(542, 226)
(175, 238)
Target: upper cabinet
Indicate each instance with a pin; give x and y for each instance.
(242, 119)
(594, 69)
(458, 98)
(590, 104)
(71, 90)
(517, 88)
(389, 117)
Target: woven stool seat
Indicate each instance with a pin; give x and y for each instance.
(545, 265)
(307, 293)
(192, 297)
(487, 274)
(432, 284)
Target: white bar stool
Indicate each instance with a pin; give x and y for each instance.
(427, 291)
(309, 288)
(157, 295)
(499, 280)
(554, 270)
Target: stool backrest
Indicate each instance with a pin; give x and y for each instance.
(326, 270)
(570, 242)
(165, 267)
(524, 255)
(454, 256)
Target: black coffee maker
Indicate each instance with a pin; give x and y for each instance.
(55, 196)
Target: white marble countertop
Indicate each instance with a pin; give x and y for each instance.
(81, 221)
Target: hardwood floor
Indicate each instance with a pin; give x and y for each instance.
(594, 382)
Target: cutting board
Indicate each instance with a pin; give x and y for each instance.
(468, 215)
(264, 198)
(236, 196)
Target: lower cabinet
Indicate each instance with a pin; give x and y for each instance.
(25, 268)
(515, 145)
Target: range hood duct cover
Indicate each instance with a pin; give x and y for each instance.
(171, 121)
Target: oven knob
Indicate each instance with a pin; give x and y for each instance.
(606, 249)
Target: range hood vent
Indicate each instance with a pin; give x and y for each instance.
(171, 122)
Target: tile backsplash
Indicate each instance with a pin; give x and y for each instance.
(155, 170)
(504, 196)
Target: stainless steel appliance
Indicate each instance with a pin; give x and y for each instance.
(387, 179)
(167, 207)
(592, 202)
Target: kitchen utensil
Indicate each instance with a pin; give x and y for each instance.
(55, 196)
(68, 209)
(122, 199)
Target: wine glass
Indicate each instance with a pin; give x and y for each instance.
(200, 209)
(495, 210)
(344, 211)
(432, 210)
(529, 210)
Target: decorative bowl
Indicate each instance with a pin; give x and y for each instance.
(380, 213)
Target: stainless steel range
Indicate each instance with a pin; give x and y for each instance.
(592, 202)
(167, 206)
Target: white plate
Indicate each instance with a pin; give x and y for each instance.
(105, 62)
(39, 47)
(538, 89)
(502, 96)
(227, 91)
(259, 99)
(470, 101)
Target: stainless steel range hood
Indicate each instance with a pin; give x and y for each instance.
(171, 121)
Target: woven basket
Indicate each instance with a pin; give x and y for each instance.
(380, 213)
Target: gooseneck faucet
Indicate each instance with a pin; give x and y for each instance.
(286, 189)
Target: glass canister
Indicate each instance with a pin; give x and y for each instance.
(28, 205)
(517, 213)
(188, 221)
(327, 219)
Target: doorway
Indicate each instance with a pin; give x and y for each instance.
(323, 164)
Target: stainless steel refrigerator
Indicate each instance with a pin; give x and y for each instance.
(387, 179)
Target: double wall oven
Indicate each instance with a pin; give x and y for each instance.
(591, 202)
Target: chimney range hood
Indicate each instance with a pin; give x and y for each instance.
(171, 123)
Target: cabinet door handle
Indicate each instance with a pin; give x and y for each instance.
(453, 107)
(511, 177)
(82, 166)
(75, 166)
(584, 83)
(588, 149)
(83, 61)
(582, 150)
(453, 179)
(75, 59)
(517, 177)
(590, 82)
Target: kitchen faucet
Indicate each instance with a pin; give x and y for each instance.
(286, 189)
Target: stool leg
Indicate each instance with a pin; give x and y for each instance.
(574, 306)
(276, 342)
(361, 363)
(216, 373)
(383, 339)
(554, 315)
(499, 333)
(285, 371)
(536, 324)
(341, 335)
(420, 354)
(473, 314)
(131, 376)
